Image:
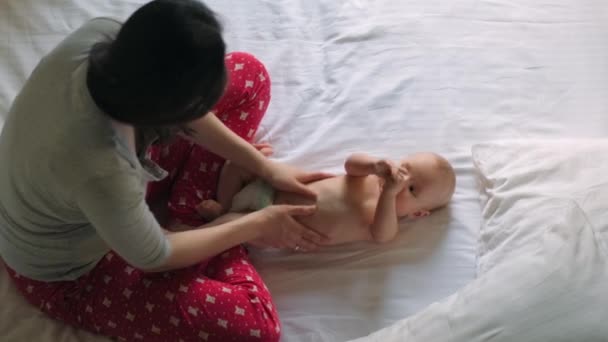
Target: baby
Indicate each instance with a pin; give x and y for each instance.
(363, 205)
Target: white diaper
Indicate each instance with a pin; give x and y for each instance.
(254, 196)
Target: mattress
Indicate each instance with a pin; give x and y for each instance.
(383, 77)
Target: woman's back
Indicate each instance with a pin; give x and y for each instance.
(54, 142)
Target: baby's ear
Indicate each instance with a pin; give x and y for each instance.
(422, 213)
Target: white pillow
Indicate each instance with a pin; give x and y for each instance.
(519, 178)
(543, 257)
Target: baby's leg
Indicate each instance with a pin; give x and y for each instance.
(232, 179)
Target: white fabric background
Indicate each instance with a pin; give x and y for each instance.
(384, 77)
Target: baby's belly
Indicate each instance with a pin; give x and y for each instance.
(334, 217)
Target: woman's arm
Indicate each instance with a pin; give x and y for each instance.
(189, 247)
(180, 227)
(210, 132)
(272, 226)
(115, 207)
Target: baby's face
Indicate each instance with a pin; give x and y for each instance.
(430, 186)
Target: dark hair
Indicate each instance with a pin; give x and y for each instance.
(164, 68)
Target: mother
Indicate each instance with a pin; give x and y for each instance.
(109, 109)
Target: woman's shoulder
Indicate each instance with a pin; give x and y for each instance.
(93, 31)
(80, 41)
(74, 49)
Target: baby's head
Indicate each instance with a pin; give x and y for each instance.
(431, 185)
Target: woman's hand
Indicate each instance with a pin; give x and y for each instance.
(211, 133)
(278, 228)
(290, 179)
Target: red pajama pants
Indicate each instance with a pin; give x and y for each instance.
(221, 299)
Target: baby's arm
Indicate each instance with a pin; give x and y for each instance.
(360, 165)
(385, 226)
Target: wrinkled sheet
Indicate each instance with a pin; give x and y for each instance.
(384, 77)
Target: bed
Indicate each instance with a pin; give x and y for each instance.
(387, 78)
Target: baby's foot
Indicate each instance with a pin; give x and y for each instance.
(265, 148)
(209, 209)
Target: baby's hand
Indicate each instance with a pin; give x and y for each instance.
(398, 181)
(395, 177)
(384, 169)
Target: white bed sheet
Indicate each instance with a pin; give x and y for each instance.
(385, 77)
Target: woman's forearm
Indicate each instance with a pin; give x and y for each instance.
(211, 133)
(193, 246)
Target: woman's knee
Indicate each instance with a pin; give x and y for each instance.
(273, 333)
(246, 96)
(250, 65)
(222, 331)
(269, 334)
(248, 80)
(265, 334)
